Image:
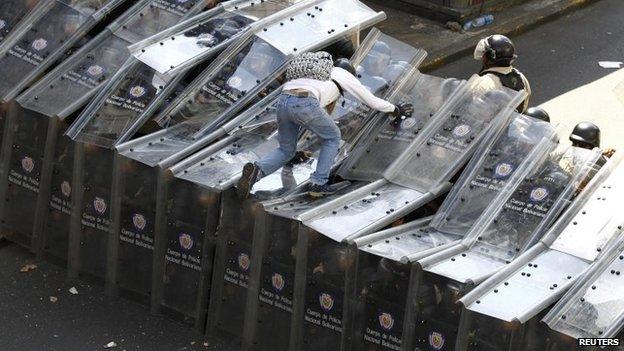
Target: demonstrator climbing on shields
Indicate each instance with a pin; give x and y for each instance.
(314, 83)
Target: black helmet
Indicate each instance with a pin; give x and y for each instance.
(538, 113)
(345, 64)
(586, 134)
(500, 49)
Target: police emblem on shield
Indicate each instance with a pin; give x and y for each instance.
(65, 188)
(539, 194)
(408, 123)
(99, 205)
(95, 70)
(243, 262)
(326, 301)
(461, 130)
(503, 170)
(386, 321)
(137, 91)
(436, 340)
(186, 241)
(139, 221)
(235, 82)
(40, 44)
(28, 164)
(278, 282)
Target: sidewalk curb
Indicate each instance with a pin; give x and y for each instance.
(523, 23)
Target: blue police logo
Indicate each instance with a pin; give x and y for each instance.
(503, 170)
(539, 194)
(326, 301)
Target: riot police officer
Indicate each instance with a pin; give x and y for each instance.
(538, 113)
(497, 54)
(587, 136)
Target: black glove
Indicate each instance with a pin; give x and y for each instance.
(403, 110)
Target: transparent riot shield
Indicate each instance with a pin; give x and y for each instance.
(516, 219)
(184, 123)
(11, 13)
(57, 96)
(593, 307)
(122, 106)
(190, 42)
(44, 37)
(387, 139)
(544, 273)
(72, 83)
(445, 145)
(520, 214)
(158, 16)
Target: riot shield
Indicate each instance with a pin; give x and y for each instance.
(386, 139)
(251, 54)
(245, 73)
(158, 16)
(11, 13)
(122, 106)
(545, 272)
(438, 152)
(186, 44)
(593, 307)
(72, 83)
(44, 37)
(519, 215)
(68, 87)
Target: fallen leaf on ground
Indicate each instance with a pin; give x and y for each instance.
(110, 345)
(28, 267)
(73, 291)
(53, 299)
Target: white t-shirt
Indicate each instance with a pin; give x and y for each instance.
(327, 92)
(493, 82)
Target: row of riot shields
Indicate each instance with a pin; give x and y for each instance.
(297, 276)
(184, 243)
(38, 158)
(385, 320)
(516, 299)
(300, 273)
(518, 217)
(52, 28)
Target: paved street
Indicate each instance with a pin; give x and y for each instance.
(562, 56)
(557, 57)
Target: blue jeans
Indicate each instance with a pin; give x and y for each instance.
(294, 113)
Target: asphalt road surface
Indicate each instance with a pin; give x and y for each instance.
(563, 54)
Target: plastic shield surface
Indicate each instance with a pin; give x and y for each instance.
(118, 108)
(246, 73)
(383, 63)
(362, 211)
(192, 41)
(43, 38)
(197, 41)
(11, 13)
(156, 17)
(494, 164)
(72, 82)
(599, 216)
(594, 307)
(213, 95)
(520, 214)
(387, 139)
(442, 148)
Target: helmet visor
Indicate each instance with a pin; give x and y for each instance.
(480, 49)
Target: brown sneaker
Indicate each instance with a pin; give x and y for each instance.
(247, 180)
